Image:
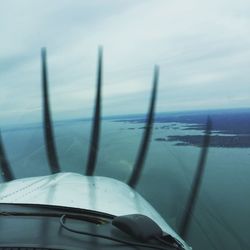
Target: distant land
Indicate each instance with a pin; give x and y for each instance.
(215, 141)
(230, 128)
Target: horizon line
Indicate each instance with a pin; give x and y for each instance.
(12, 126)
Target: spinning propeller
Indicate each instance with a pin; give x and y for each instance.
(4, 163)
(94, 144)
(47, 126)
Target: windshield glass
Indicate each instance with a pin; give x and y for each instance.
(203, 53)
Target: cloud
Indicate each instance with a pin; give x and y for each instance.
(202, 48)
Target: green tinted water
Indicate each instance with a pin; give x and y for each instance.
(222, 214)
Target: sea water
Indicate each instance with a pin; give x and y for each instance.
(222, 213)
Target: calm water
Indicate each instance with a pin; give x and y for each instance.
(222, 215)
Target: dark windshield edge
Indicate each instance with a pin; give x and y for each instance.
(61, 209)
(11, 209)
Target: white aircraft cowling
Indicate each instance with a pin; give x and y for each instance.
(96, 193)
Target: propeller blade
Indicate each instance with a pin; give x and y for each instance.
(48, 129)
(4, 164)
(94, 144)
(134, 178)
(184, 225)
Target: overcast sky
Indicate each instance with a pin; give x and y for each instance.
(202, 48)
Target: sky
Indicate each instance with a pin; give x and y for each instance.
(201, 47)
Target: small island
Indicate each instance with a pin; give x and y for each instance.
(229, 141)
(161, 139)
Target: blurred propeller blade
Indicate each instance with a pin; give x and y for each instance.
(94, 144)
(184, 225)
(134, 178)
(48, 130)
(4, 164)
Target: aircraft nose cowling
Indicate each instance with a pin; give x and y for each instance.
(75, 190)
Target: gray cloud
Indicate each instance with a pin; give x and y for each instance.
(202, 48)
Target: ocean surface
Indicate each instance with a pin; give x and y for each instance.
(222, 214)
